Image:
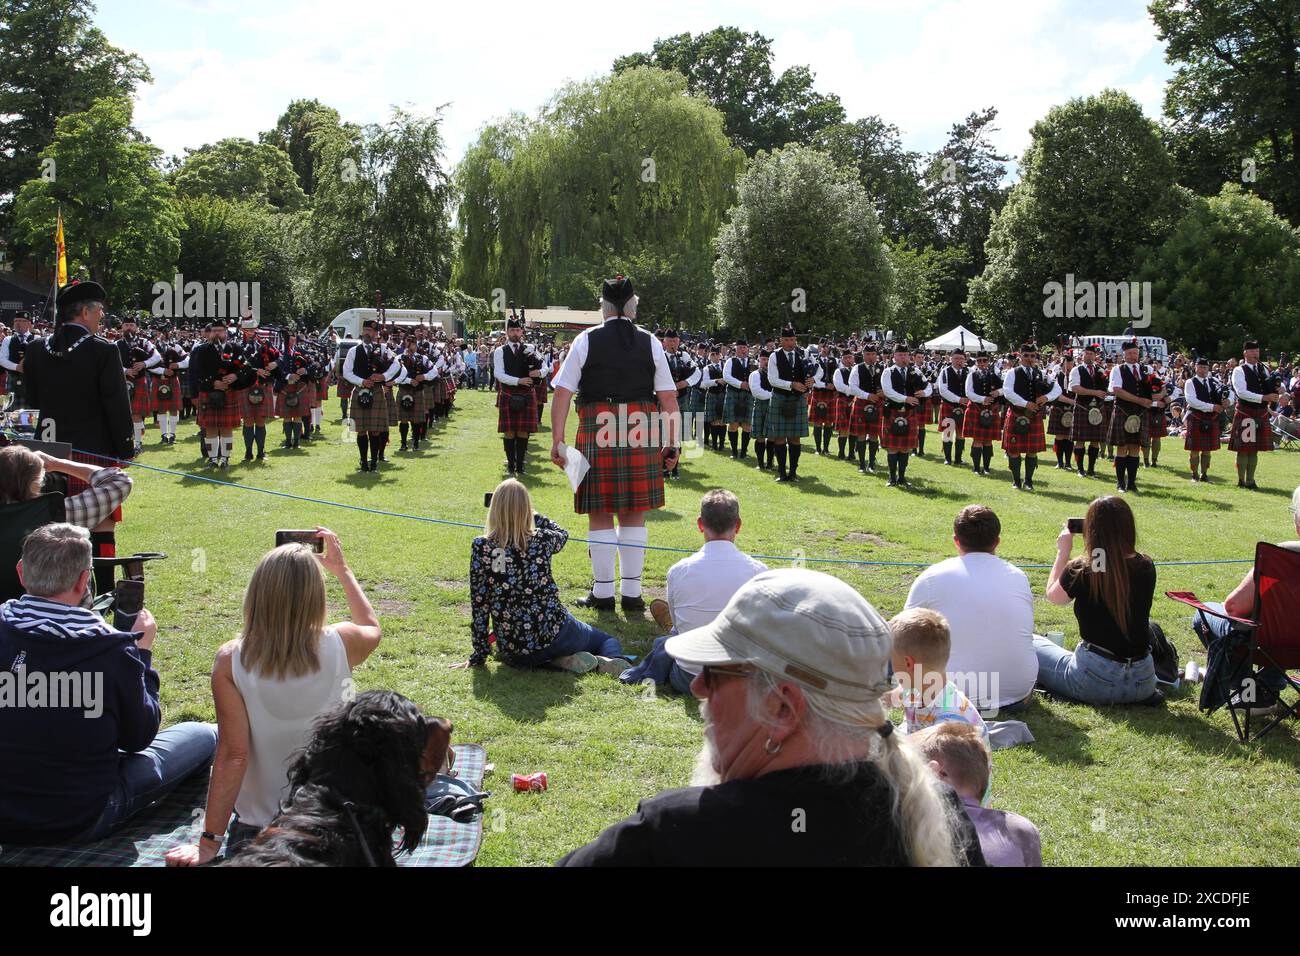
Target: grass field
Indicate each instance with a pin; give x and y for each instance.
(1121, 786)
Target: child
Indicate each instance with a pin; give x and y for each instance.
(920, 659)
(960, 758)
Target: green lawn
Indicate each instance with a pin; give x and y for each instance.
(1111, 787)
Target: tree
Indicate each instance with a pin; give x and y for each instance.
(297, 133)
(55, 63)
(241, 171)
(890, 174)
(802, 243)
(1230, 270)
(380, 219)
(916, 300)
(732, 69)
(1097, 187)
(120, 216)
(1237, 86)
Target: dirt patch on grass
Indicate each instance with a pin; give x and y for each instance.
(866, 538)
(394, 607)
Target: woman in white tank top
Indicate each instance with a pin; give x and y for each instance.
(286, 669)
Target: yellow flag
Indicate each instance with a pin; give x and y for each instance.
(63, 254)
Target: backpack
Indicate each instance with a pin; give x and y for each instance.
(1165, 657)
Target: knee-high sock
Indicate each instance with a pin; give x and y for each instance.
(631, 559)
(734, 438)
(780, 457)
(760, 449)
(903, 458)
(259, 435)
(227, 446)
(1205, 463)
(947, 451)
(893, 466)
(795, 452)
(988, 457)
(862, 454)
(521, 451)
(376, 442)
(1031, 465)
(873, 447)
(213, 446)
(771, 453)
(603, 551)
(843, 441)
(744, 444)
(1134, 461)
(961, 449)
(103, 545)
(509, 444)
(363, 445)
(1093, 454)
(248, 439)
(343, 405)
(317, 416)
(1252, 460)
(1015, 468)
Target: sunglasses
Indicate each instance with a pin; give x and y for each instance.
(711, 672)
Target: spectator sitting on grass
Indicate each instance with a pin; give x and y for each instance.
(699, 587)
(959, 756)
(920, 659)
(271, 683)
(90, 756)
(513, 593)
(792, 673)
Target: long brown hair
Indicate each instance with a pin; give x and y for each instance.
(284, 614)
(1110, 536)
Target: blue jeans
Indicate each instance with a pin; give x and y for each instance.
(574, 636)
(148, 776)
(1270, 677)
(1089, 678)
(660, 667)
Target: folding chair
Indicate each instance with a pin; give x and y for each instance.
(1273, 637)
(1286, 431)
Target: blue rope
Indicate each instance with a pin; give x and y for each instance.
(647, 547)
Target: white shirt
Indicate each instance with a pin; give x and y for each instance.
(855, 384)
(1193, 401)
(700, 586)
(756, 387)
(1009, 393)
(947, 394)
(990, 612)
(5, 358)
(499, 365)
(389, 374)
(887, 386)
(571, 373)
(1117, 377)
(841, 381)
(773, 375)
(1239, 385)
(727, 376)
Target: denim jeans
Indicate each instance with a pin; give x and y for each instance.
(574, 636)
(148, 776)
(660, 667)
(1089, 678)
(1270, 677)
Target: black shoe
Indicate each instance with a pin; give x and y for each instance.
(892, 483)
(840, 456)
(1029, 485)
(633, 605)
(734, 455)
(1015, 483)
(286, 444)
(595, 603)
(1251, 486)
(1121, 487)
(403, 448)
(862, 469)
(1082, 473)
(248, 456)
(781, 478)
(904, 483)
(261, 456)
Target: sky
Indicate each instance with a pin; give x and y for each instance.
(229, 67)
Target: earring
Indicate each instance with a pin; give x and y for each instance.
(771, 748)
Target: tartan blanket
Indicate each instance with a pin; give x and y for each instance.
(177, 818)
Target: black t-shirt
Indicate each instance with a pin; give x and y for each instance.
(785, 818)
(1096, 626)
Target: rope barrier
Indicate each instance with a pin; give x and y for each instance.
(648, 547)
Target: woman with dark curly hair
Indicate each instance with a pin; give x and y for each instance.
(515, 596)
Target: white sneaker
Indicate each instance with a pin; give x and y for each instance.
(613, 666)
(579, 663)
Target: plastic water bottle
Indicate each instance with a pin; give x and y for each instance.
(1192, 673)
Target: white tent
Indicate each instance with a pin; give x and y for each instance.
(960, 338)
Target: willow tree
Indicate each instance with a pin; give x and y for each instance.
(623, 172)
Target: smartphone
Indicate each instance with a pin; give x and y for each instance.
(128, 601)
(1075, 526)
(487, 500)
(311, 538)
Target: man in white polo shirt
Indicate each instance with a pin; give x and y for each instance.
(990, 612)
(699, 587)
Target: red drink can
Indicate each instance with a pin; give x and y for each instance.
(528, 783)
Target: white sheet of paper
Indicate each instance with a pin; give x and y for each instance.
(576, 466)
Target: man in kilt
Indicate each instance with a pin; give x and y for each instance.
(1130, 427)
(1028, 392)
(843, 400)
(345, 387)
(217, 372)
(952, 405)
(257, 402)
(821, 401)
(293, 391)
(516, 367)
(790, 374)
(139, 360)
(12, 352)
(168, 392)
(1089, 384)
(620, 375)
(1256, 388)
(1203, 434)
(760, 390)
(685, 376)
(413, 394)
(983, 421)
(1157, 426)
(1060, 423)
(714, 391)
(904, 387)
(867, 415)
(736, 411)
(542, 384)
(924, 406)
(368, 367)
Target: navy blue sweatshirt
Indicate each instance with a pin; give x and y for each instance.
(59, 766)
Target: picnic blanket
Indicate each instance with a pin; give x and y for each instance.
(179, 819)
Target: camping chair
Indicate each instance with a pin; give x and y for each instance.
(1272, 639)
(1286, 430)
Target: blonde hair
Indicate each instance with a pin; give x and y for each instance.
(284, 614)
(960, 750)
(923, 634)
(510, 520)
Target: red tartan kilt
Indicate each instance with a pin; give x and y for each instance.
(76, 486)
(1196, 440)
(282, 410)
(520, 422)
(859, 426)
(322, 394)
(815, 397)
(891, 442)
(843, 412)
(1028, 444)
(224, 419)
(142, 397)
(1055, 423)
(1083, 431)
(346, 388)
(972, 429)
(957, 413)
(172, 403)
(921, 415)
(1156, 423)
(1263, 432)
(260, 413)
(621, 478)
(542, 386)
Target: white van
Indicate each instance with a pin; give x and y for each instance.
(1112, 345)
(348, 324)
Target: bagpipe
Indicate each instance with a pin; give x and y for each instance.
(1037, 389)
(230, 361)
(171, 353)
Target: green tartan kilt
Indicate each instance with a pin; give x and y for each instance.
(372, 419)
(417, 411)
(787, 416)
(715, 401)
(390, 401)
(692, 402)
(758, 419)
(736, 407)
